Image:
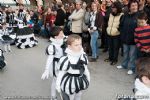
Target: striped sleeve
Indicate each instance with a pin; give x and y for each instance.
(63, 64)
(50, 50)
(84, 59)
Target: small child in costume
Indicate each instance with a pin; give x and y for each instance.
(2, 60)
(54, 52)
(142, 82)
(74, 76)
(5, 37)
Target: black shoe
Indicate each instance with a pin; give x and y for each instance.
(113, 63)
(97, 57)
(92, 60)
(107, 60)
(105, 50)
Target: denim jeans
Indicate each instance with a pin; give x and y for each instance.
(130, 55)
(45, 31)
(93, 43)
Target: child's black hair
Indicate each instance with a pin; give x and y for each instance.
(142, 15)
(143, 67)
(55, 31)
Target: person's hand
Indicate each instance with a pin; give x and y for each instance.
(146, 50)
(58, 88)
(45, 75)
(91, 31)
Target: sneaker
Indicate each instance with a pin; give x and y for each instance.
(130, 72)
(119, 67)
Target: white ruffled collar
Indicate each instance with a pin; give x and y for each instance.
(78, 54)
(56, 41)
(141, 87)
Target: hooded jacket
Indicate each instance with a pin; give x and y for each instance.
(143, 92)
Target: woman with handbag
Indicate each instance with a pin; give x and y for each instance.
(96, 21)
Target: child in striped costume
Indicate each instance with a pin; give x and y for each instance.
(6, 39)
(54, 52)
(74, 76)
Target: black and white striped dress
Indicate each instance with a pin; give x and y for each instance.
(72, 82)
(54, 52)
(6, 39)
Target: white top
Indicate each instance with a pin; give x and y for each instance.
(58, 51)
(73, 59)
(57, 43)
(92, 20)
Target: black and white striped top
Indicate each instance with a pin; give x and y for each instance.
(22, 16)
(11, 21)
(78, 78)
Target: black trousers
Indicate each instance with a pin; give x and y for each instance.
(86, 38)
(113, 46)
(104, 40)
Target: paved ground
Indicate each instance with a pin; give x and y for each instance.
(22, 76)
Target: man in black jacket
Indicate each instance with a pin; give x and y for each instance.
(128, 23)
